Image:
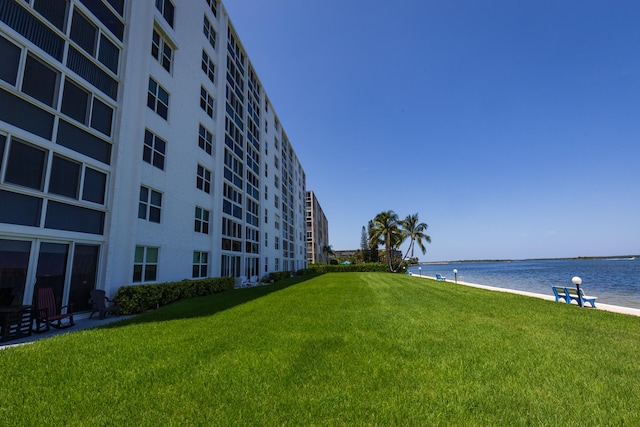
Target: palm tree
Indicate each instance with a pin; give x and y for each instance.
(385, 230)
(327, 250)
(416, 232)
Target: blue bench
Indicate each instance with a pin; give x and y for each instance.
(559, 293)
(571, 294)
(440, 278)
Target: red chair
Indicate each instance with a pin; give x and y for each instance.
(47, 314)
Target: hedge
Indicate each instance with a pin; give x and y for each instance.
(139, 298)
(341, 268)
(277, 275)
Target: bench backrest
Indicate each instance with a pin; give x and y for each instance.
(573, 291)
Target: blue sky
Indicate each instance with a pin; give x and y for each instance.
(511, 127)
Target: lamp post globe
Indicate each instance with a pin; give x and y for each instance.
(577, 281)
(455, 275)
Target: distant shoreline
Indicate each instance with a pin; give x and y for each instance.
(621, 257)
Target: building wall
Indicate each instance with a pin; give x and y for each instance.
(317, 230)
(79, 197)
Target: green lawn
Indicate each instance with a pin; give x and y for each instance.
(336, 349)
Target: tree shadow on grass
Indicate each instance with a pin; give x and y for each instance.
(208, 305)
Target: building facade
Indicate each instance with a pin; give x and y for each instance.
(317, 230)
(137, 145)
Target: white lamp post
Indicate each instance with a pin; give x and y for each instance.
(420, 270)
(455, 274)
(578, 281)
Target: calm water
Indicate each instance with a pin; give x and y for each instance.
(613, 281)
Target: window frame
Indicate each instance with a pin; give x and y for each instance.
(160, 48)
(205, 141)
(151, 152)
(202, 220)
(145, 263)
(200, 261)
(154, 100)
(149, 205)
(203, 179)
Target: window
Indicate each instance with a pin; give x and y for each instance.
(10, 54)
(206, 101)
(150, 204)
(205, 139)
(65, 177)
(53, 10)
(167, 9)
(20, 209)
(213, 4)
(84, 33)
(40, 81)
(154, 149)
(95, 43)
(277, 242)
(145, 264)
(161, 50)
(201, 224)
(3, 139)
(208, 66)
(61, 216)
(266, 216)
(203, 179)
(209, 32)
(200, 264)
(83, 106)
(158, 99)
(95, 184)
(83, 142)
(26, 165)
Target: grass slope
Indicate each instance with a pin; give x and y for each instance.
(336, 349)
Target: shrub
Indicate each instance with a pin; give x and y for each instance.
(350, 268)
(277, 275)
(139, 298)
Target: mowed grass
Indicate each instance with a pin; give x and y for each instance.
(337, 349)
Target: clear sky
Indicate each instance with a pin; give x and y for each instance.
(511, 127)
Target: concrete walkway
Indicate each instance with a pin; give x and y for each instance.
(82, 321)
(599, 306)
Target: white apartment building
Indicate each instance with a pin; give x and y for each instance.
(137, 145)
(317, 230)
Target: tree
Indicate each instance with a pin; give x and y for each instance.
(364, 245)
(385, 230)
(374, 256)
(327, 250)
(416, 232)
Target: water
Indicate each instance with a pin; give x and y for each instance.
(613, 281)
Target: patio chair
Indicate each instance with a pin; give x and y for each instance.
(99, 305)
(440, 278)
(243, 282)
(47, 314)
(253, 281)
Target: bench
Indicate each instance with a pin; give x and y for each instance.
(571, 294)
(559, 292)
